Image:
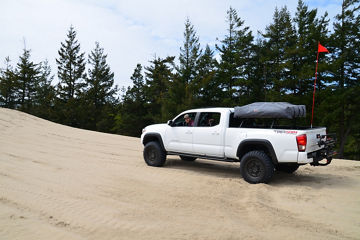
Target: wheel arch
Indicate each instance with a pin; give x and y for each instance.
(259, 145)
(153, 137)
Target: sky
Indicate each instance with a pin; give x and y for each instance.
(130, 32)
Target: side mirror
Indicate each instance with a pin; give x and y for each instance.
(170, 122)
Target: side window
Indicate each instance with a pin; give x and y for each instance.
(209, 119)
(234, 122)
(251, 123)
(185, 120)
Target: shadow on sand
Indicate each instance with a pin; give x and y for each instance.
(305, 176)
(206, 167)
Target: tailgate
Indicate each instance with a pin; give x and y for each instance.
(313, 138)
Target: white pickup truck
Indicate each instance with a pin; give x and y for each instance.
(252, 135)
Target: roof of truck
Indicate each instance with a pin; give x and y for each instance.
(211, 109)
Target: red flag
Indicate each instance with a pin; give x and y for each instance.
(321, 48)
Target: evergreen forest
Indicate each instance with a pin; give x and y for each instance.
(275, 64)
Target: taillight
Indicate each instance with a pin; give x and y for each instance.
(301, 142)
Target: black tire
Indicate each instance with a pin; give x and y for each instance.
(287, 168)
(188, 159)
(154, 155)
(256, 167)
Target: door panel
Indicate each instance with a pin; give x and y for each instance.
(179, 136)
(208, 136)
(180, 139)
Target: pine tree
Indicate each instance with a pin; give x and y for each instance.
(235, 52)
(183, 90)
(132, 117)
(345, 70)
(280, 40)
(206, 91)
(136, 92)
(8, 85)
(189, 53)
(227, 71)
(71, 73)
(71, 67)
(346, 42)
(45, 92)
(309, 31)
(257, 84)
(159, 76)
(100, 91)
(27, 74)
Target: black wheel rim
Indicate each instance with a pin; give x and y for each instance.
(255, 168)
(151, 155)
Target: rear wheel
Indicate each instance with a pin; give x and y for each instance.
(154, 155)
(287, 168)
(256, 167)
(188, 159)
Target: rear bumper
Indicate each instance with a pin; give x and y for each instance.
(326, 152)
(317, 156)
(303, 158)
(314, 158)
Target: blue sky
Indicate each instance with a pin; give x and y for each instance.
(131, 32)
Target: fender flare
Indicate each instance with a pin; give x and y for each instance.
(256, 144)
(153, 137)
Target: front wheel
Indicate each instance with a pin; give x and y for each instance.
(256, 167)
(154, 155)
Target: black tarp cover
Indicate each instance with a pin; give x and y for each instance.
(270, 110)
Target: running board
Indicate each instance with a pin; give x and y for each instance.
(204, 157)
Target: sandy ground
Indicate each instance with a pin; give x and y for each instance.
(58, 182)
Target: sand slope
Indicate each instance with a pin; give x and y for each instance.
(58, 182)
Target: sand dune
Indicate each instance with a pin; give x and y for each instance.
(58, 182)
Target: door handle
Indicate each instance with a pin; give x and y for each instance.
(188, 132)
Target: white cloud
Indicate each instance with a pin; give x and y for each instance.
(131, 32)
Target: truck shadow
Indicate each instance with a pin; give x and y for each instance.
(206, 167)
(305, 176)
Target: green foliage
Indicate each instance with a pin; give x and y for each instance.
(189, 54)
(99, 93)
(236, 51)
(71, 68)
(345, 72)
(71, 74)
(45, 92)
(204, 86)
(27, 77)
(8, 85)
(309, 30)
(184, 86)
(132, 117)
(280, 40)
(159, 76)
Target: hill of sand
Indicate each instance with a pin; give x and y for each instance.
(58, 182)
